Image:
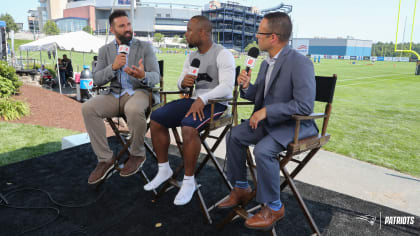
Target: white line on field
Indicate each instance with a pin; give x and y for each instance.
(367, 82)
(368, 77)
(174, 71)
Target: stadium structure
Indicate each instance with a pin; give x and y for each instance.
(331, 46)
(235, 25)
(167, 18)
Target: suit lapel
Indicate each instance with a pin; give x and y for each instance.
(132, 54)
(112, 49)
(281, 59)
(261, 84)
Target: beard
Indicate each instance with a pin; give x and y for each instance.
(125, 38)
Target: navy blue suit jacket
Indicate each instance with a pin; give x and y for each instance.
(291, 91)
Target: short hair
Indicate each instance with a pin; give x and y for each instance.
(280, 24)
(64, 55)
(204, 22)
(116, 14)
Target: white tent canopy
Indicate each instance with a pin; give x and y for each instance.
(79, 41)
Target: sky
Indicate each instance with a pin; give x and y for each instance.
(361, 19)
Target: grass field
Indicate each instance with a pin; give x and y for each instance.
(20, 141)
(375, 115)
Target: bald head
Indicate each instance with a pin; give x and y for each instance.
(203, 23)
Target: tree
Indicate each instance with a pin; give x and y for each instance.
(10, 23)
(251, 45)
(381, 49)
(158, 37)
(50, 28)
(87, 29)
(184, 40)
(175, 39)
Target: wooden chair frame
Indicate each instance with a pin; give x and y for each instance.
(224, 121)
(325, 87)
(125, 138)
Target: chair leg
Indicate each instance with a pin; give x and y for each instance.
(125, 149)
(166, 186)
(216, 163)
(210, 154)
(240, 211)
(302, 204)
(150, 149)
(203, 205)
(298, 168)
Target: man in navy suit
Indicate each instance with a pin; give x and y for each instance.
(285, 86)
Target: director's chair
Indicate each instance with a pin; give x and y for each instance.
(325, 87)
(225, 121)
(124, 136)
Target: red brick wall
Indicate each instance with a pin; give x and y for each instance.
(83, 12)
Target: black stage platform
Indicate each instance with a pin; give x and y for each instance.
(69, 206)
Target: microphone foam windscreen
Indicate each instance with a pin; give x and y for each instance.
(253, 52)
(195, 63)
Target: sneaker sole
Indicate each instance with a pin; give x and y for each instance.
(134, 172)
(103, 176)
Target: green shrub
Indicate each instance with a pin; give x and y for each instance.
(6, 87)
(9, 72)
(12, 110)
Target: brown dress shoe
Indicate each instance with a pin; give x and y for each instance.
(132, 166)
(236, 196)
(265, 219)
(101, 170)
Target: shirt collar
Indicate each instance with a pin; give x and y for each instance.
(116, 43)
(270, 60)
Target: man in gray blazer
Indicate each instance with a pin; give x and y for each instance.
(285, 86)
(129, 74)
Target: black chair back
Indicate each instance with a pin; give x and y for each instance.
(325, 87)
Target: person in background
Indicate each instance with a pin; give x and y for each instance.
(61, 71)
(68, 71)
(43, 70)
(94, 62)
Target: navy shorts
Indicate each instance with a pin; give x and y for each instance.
(173, 114)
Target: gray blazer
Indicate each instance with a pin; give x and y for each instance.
(291, 90)
(103, 72)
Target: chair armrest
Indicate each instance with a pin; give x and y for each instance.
(171, 92)
(309, 117)
(155, 89)
(298, 118)
(240, 103)
(216, 100)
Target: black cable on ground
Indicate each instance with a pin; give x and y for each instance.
(49, 208)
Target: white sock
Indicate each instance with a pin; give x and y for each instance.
(164, 173)
(186, 192)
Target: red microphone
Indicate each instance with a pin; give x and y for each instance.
(193, 70)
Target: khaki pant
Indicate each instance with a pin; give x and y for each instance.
(106, 106)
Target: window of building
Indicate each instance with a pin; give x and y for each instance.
(168, 15)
